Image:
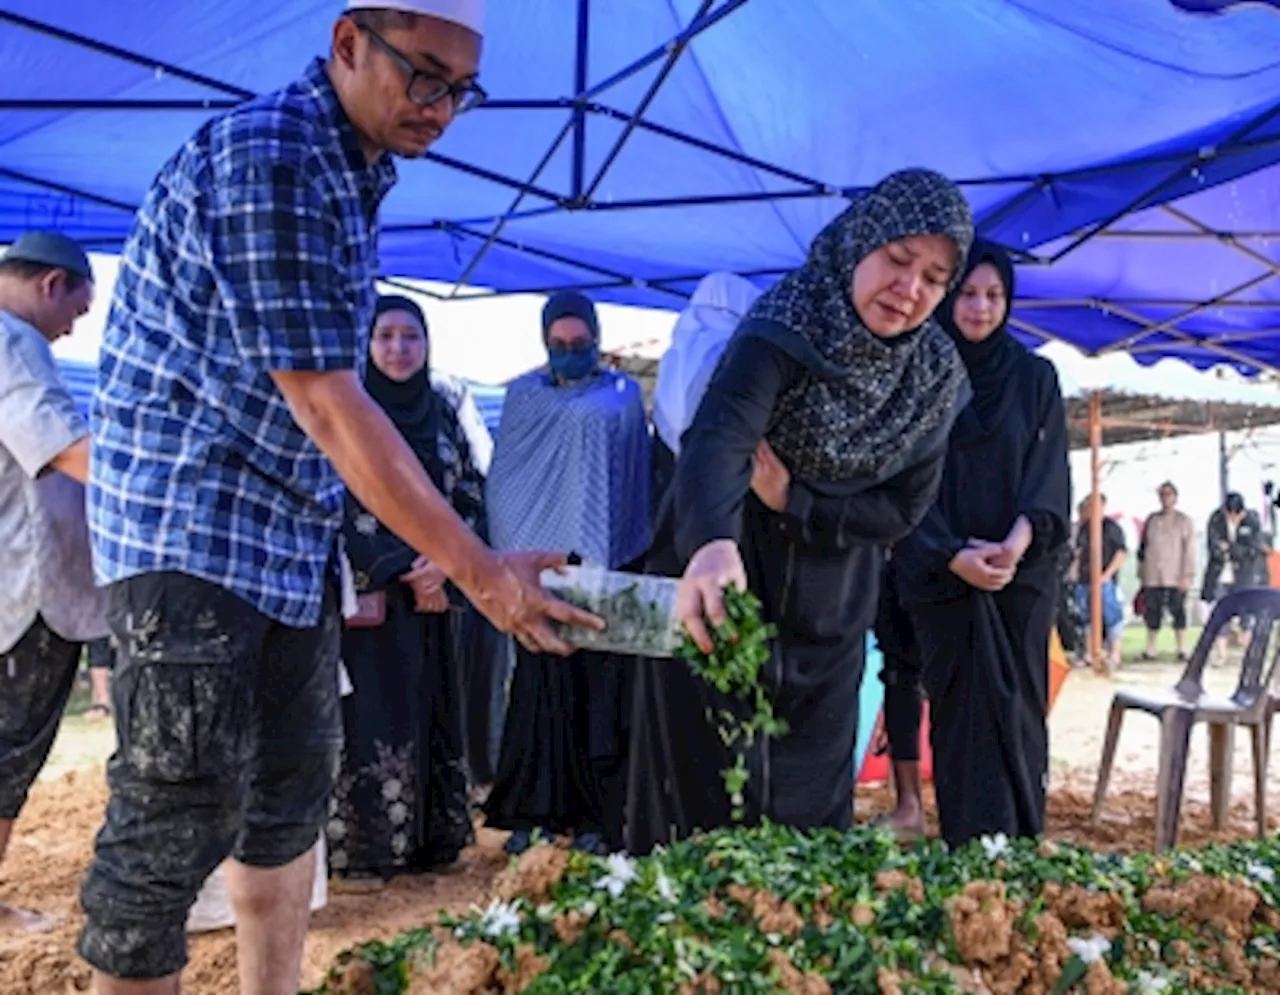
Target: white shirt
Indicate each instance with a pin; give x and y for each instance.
(45, 569)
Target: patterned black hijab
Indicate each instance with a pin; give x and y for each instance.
(865, 400)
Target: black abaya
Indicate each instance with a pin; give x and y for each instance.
(985, 657)
(562, 763)
(402, 799)
(815, 567)
(401, 805)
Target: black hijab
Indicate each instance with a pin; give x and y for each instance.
(570, 304)
(866, 401)
(413, 406)
(992, 361)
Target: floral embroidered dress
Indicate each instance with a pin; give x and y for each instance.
(401, 804)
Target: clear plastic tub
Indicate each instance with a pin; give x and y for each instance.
(639, 610)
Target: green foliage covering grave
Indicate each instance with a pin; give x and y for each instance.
(776, 910)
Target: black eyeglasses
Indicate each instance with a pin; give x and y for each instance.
(426, 89)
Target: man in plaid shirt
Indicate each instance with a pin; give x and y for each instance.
(229, 414)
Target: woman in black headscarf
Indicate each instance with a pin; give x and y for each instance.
(979, 576)
(401, 803)
(570, 470)
(820, 438)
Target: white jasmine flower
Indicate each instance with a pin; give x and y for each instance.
(622, 871)
(1150, 984)
(500, 919)
(666, 889)
(1261, 873)
(589, 908)
(666, 917)
(1090, 950)
(995, 846)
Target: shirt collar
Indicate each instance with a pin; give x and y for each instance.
(375, 180)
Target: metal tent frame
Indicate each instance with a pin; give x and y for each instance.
(589, 103)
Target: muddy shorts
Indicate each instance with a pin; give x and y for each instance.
(229, 731)
(36, 678)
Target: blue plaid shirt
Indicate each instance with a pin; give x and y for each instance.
(255, 250)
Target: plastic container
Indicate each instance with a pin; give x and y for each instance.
(639, 610)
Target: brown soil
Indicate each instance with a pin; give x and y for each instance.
(53, 842)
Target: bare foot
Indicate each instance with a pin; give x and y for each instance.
(906, 824)
(22, 921)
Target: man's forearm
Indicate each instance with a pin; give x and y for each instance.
(384, 475)
(74, 461)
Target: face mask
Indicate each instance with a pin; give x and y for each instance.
(572, 365)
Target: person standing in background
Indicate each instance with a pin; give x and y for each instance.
(401, 804)
(1236, 561)
(1115, 551)
(49, 606)
(570, 468)
(1167, 567)
(979, 576)
(702, 331)
(1237, 554)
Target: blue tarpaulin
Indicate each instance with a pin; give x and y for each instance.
(1128, 150)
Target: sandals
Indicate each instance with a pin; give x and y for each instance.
(97, 713)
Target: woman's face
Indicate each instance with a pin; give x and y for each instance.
(399, 345)
(899, 285)
(981, 305)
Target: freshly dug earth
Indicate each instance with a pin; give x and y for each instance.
(54, 839)
(776, 910)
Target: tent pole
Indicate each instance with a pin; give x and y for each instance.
(1095, 534)
(698, 25)
(673, 55)
(1224, 468)
(579, 110)
(1178, 175)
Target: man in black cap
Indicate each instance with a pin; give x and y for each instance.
(48, 603)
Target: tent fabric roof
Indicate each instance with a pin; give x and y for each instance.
(616, 157)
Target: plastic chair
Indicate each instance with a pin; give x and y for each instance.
(1253, 705)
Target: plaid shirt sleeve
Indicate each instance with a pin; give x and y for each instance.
(276, 247)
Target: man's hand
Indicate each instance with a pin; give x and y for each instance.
(980, 567)
(700, 597)
(514, 599)
(770, 478)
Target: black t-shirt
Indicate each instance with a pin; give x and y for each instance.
(1113, 542)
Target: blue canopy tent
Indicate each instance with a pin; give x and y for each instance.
(1128, 152)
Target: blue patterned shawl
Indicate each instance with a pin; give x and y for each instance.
(570, 470)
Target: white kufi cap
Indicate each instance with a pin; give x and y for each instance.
(468, 13)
